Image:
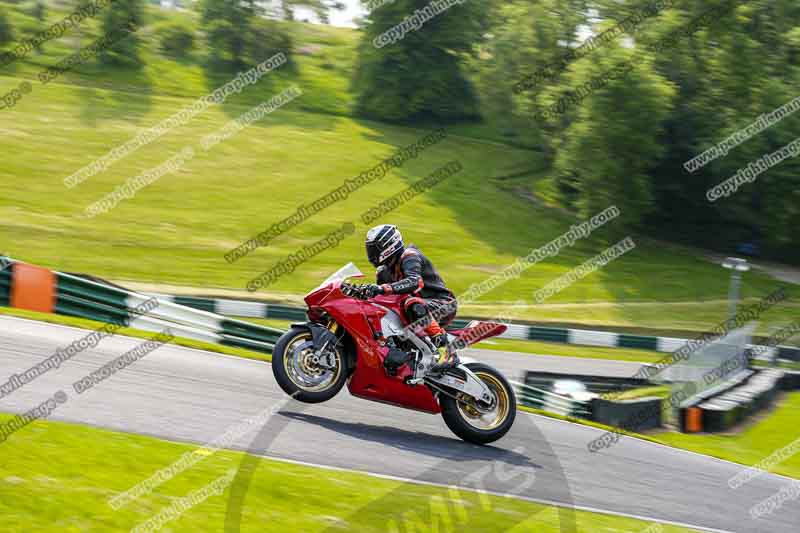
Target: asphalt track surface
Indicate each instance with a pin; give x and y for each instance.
(194, 396)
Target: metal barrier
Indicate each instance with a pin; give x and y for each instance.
(34, 288)
(582, 337)
(549, 401)
(100, 302)
(595, 383)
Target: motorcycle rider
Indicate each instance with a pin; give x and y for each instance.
(405, 270)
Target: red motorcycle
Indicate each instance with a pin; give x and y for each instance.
(369, 344)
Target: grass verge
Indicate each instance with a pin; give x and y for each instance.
(76, 469)
(660, 391)
(769, 433)
(747, 446)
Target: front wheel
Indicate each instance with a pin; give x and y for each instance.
(303, 373)
(482, 424)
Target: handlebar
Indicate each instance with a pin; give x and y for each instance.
(354, 291)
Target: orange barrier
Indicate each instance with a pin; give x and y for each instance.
(694, 420)
(33, 288)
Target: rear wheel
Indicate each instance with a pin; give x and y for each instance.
(482, 424)
(303, 373)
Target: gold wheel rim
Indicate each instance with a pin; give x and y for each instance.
(487, 419)
(301, 370)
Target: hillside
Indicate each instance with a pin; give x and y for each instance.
(177, 230)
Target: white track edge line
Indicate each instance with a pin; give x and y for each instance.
(531, 499)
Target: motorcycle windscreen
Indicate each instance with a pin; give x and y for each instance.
(350, 270)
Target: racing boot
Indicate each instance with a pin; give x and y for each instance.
(447, 356)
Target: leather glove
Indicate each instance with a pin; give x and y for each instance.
(372, 290)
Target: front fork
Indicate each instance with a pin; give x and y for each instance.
(324, 341)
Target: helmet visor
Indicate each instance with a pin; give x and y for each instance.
(374, 253)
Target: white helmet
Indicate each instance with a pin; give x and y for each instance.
(383, 242)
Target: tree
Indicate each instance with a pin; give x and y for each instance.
(322, 8)
(6, 30)
(40, 11)
(421, 76)
(523, 38)
(122, 16)
(265, 39)
(614, 137)
(743, 65)
(288, 9)
(227, 24)
(626, 141)
(175, 39)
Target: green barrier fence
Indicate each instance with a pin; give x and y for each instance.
(5, 286)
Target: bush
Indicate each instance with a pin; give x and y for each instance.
(34, 9)
(223, 41)
(26, 23)
(175, 39)
(118, 16)
(6, 31)
(39, 11)
(265, 39)
(226, 23)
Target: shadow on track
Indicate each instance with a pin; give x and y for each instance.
(452, 449)
(506, 472)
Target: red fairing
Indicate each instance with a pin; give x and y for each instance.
(362, 319)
